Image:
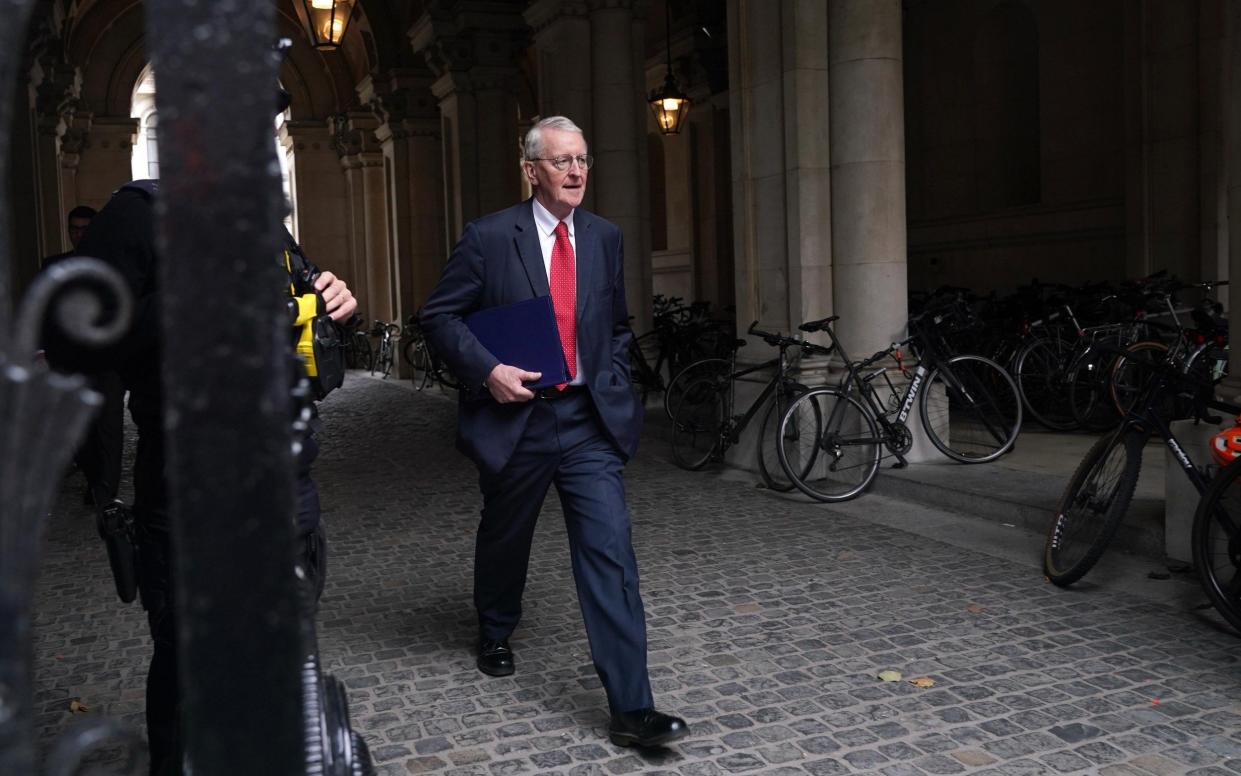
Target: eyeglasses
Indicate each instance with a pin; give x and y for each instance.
(563, 163)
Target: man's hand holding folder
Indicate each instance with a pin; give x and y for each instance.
(506, 383)
(523, 338)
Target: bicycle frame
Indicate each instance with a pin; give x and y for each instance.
(737, 423)
(1149, 421)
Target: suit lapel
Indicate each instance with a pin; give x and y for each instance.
(528, 248)
(586, 259)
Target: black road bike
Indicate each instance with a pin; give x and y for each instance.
(385, 355)
(832, 438)
(1097, 497)
(704, 425)
(427, 368)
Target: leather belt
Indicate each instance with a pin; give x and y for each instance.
(551, 394)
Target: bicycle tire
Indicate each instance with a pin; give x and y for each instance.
(707, 367)
(446, 378)
(827, 431)
(643, 352)
(696, 423)
(363, 356)
(1128, 375)
(1217, 542)
(407, 349)
(422, 373)
(1088, 389)
(980, 416)
(1093, 505)
(1039, 373)
(769, 466)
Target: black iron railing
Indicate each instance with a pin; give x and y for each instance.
(255, 701)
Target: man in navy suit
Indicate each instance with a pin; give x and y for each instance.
(576, 435)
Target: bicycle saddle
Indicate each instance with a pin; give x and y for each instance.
(818, 325)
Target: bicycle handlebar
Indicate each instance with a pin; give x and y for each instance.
(779, 340)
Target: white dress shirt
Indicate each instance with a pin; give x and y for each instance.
(546, 223)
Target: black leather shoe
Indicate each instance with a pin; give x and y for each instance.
(495, 658)
(646, 728)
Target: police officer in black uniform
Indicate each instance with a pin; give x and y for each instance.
(123, 235)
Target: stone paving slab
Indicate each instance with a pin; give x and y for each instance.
(768, 620)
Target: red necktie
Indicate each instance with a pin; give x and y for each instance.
(563, 282)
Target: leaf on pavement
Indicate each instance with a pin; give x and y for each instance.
(922, 681)
(77, 707)
(889, 675)
(976, 608)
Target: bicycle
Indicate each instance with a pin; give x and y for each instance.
(681, 334)
(1098, 494)
(831, 438)
(1216, 542)
(426, 367)
(704, 425)
(358, 353)
(386, 332)
(1201, 351)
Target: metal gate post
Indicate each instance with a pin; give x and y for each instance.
(226, 388)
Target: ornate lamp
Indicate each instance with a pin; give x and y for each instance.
(327, 21)
(669, 103)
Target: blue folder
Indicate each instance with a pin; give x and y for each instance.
(523, 334)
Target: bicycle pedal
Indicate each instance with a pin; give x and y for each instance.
(900, 464)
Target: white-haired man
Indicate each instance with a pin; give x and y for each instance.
(577, 435)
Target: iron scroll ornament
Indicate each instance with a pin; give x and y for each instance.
(43, 417)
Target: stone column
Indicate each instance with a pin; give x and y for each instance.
(366, 190)
(319, 194)
(1232, 153)
(411, 141)
(52, 235)
(471, 47)
(562, 43)
(105, 158)
(1212, 167)
(71, 144)
(782, 195)
(618, 141)
(54, 87)
(867, 172)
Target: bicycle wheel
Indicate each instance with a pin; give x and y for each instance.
(446, 378)
(696, 422)
(1217, 542)
(1039, 374)
(707, 367)
(411, 344)
(643, 354)
(1129, 374)
(1088, 389)
(829, 445)
(768, 442)
(419, 358)
(970, 409)
(362, 356)
(1093, 505)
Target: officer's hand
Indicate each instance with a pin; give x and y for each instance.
(505, 383)
(337, 297)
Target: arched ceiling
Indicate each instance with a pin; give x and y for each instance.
(106, 39)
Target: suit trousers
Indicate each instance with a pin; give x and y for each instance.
(564, 444)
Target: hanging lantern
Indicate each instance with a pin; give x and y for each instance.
(327, 21)
(669, 103)
(670, 106)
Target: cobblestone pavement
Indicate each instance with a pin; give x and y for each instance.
(768, 618)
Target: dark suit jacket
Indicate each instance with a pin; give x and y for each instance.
(498, 261)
